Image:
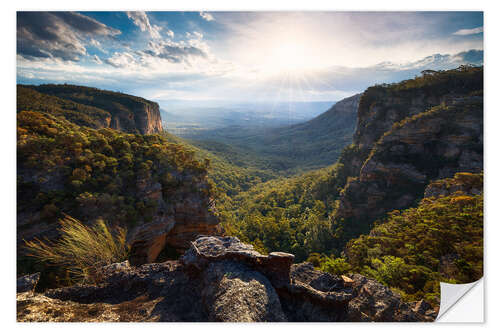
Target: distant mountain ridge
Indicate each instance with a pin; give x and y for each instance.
(100, 108)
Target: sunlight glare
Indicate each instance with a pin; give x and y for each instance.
(289, 57)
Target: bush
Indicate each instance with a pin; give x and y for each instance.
(336, 266)
(332, 265)
(81, 249)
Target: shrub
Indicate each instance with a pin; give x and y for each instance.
(81, 249)
(336, 266)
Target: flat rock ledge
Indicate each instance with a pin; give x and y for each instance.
(209, 249)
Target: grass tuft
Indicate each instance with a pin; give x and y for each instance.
(81, 249)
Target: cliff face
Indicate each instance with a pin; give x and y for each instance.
(433, 145)
(126, 113)
(380, 107)
(173, 223)
(148, 119)
(188, 212)
(219, 279)
(401, 144)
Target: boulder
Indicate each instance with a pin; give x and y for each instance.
(313, 295)
(27, 282)
(234, 293)
(375, 302)
(208, 249)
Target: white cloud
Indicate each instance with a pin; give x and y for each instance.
(121, 60)
(96, 59)
(141, 20)
(466, 32)
(194, 35)
(207, 16)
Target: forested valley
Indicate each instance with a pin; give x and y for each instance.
(387, 183)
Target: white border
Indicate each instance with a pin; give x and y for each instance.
(8, 171)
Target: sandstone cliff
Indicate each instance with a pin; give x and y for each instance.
(186, 213)
(125, 112)
(408, 135)
(381, 106)
(219, 279)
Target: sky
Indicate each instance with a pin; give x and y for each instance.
(242, 56)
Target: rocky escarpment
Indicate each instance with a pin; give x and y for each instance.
(381, 106)
(221, 279)
(407, 135)
(176, 221)
(177, 214)
(126, 112)
(432, 145)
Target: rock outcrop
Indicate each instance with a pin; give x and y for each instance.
(176, 223)
(27, 283)
(375, 302)
(221, 279)
(436, 144)
(381, 106)
(127, 113)
(189, 212)
(463, 182)
(407, 137)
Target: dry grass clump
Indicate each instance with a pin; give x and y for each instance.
(81, 249)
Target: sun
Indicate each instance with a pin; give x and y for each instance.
(288, 56)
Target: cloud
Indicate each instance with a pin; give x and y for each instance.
(466, 32)
(141, 20)
(471, 57)
(96, 59)
(207, 16)
(317, 55)
(194, 35)
(437, 61)
(358, 79)
(121, 60)
(60, 35)
(172, 52)
(169, 33)
(175, 52)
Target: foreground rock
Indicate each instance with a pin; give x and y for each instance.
(221, 279)
(375, 302)
(27, 282)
